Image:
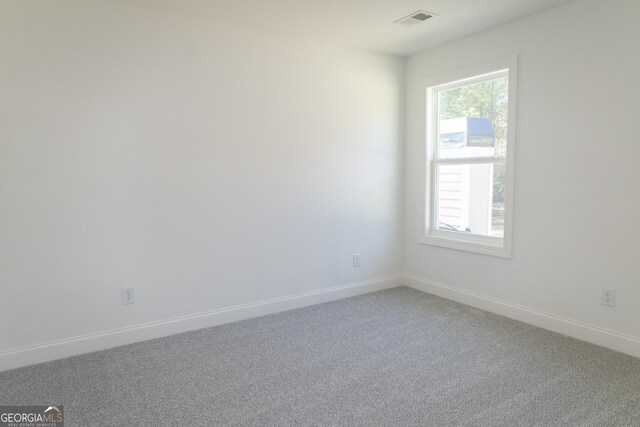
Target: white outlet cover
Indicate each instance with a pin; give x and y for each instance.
(128, 296)
(608, 297)
(356, 260)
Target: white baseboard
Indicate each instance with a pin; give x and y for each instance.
(15, 358)
(590, 333)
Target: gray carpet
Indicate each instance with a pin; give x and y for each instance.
(396, 357)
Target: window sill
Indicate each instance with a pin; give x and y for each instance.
(483, 248)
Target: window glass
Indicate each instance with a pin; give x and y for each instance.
(470, 198)
(472, 119)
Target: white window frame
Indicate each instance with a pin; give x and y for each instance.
(486, 245)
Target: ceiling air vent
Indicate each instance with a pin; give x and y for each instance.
(414, 19)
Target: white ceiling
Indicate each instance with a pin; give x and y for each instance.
(365, 24)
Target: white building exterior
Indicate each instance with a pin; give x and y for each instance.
(465, 192)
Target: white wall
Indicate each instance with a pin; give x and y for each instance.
(577, 204)
(204, 166)
(209, 167)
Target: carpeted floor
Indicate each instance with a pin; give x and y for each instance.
(393, 358)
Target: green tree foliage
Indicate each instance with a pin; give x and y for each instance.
(485, 99)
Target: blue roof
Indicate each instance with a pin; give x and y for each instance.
(479, 126)
(472, 126)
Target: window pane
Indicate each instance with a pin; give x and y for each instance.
(472, 119)
(470, 198)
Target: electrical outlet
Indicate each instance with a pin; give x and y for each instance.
(608, 297)
(128, 296)
(356, 260)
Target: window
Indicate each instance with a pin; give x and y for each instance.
(469, 159)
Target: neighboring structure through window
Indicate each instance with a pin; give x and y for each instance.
(470, 144)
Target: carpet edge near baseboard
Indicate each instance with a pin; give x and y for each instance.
(593, 334)
(74, 346)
